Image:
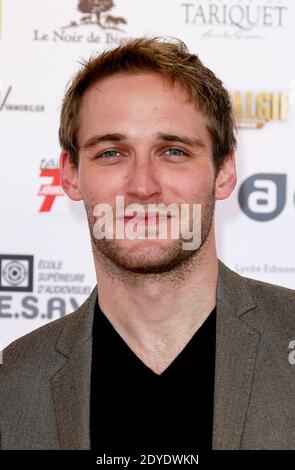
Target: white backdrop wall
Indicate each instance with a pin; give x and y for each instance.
(46, 267)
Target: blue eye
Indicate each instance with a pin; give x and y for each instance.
(109, 154)
(175, 152)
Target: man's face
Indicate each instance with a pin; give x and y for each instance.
(143, 138)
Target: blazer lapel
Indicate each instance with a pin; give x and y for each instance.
(236, 347)
(71, 384)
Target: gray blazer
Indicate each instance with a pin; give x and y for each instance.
(45, 375)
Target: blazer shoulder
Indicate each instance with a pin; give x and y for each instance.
(68, 330)
(38, 336)
(270, 292)
(233, 284)
(275, 307)
(258, 302)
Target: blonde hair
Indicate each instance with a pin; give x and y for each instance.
(172, 60)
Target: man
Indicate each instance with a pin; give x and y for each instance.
(172, 350)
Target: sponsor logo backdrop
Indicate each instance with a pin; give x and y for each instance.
(46, 268)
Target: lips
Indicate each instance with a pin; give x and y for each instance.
(147, 218)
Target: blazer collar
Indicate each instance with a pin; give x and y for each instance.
(236, 348)
(71, 384)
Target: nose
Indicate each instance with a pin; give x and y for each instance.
(143, 182)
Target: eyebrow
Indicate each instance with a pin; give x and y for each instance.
(96, 139)
(192, 141)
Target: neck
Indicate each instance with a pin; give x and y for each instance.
(156, 316)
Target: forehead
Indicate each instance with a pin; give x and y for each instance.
(142, 102)
(137, 81)
(149, 84)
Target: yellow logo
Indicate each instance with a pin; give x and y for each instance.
(253, 111)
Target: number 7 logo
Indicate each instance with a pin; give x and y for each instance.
(50, 191)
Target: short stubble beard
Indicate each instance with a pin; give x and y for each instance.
(172, 263)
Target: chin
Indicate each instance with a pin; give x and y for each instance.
(144, 256)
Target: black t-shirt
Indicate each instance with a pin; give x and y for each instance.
(134, 409)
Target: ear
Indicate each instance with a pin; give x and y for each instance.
(226, 178)
(69, 176)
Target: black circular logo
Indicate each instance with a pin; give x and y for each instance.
(14, 273)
